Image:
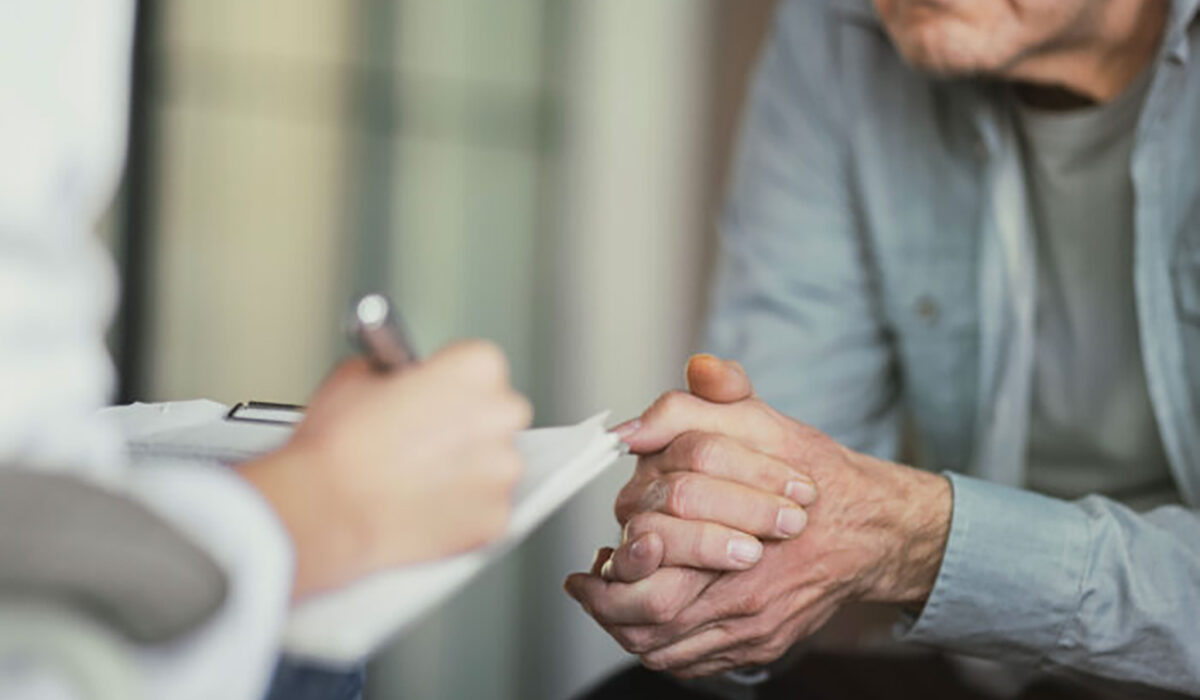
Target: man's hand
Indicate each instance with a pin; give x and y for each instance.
(389, 469)
(705, 501)
(877, 533)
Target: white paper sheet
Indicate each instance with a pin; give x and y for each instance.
(346, 626)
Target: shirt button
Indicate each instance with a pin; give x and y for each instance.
(927, 309)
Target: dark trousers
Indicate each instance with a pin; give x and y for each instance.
(853, 676)
(297, 680)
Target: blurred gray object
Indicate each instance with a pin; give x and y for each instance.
(84, 572)
(103, 554)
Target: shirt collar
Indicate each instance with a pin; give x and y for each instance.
(1175, 38)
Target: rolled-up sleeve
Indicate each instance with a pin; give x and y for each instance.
(1088, 584)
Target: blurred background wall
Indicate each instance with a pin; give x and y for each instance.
(543, 173)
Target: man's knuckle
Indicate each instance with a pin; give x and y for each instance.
(646, 467)
(776, 647)
(656, 662)
(751, 603)
(675, 398)
(625, 639)
(680, 494)
(758, 631)
(761, 653)
(635, 640)
(811, 444)
(638, 525)
(661, 606)
(658, 613)
(623, 507)
(669, 404)
(653, 662)
(806, 431)
(705, 454)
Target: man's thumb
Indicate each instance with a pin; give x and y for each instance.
(716, 380)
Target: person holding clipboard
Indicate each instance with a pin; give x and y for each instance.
(386, 469)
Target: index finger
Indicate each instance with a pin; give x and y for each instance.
(678, 412)
(722, 457)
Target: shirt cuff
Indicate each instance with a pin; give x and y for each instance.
(233, 654)
(1011, 576)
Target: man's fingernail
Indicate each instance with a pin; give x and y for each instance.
(637, 550)
(606, 571)
(801, 492)
(790, 521)
(744, 550)
(627, 429)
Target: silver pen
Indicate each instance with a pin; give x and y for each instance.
(376, 328)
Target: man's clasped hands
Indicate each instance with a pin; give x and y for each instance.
(745, 530)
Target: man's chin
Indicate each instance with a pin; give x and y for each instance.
(945, 58)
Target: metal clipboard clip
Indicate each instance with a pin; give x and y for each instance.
(266, 412)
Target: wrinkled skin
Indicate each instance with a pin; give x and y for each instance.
(876, 532)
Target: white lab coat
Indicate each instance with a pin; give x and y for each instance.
(64, 73)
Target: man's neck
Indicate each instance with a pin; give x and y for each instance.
(1120, 40)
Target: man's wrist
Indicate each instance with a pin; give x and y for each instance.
(920, 511)
(927, 533)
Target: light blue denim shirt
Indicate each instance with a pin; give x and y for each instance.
(878, 266)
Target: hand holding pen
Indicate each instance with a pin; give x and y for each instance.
(388, 469)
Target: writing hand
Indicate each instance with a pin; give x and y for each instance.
(389, 469)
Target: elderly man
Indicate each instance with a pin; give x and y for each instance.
(978, 218)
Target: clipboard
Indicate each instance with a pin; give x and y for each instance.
(342, 628)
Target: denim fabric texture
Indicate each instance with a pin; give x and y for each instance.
(300, 680)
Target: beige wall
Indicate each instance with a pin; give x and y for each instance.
(548, 171)
(252, 148)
